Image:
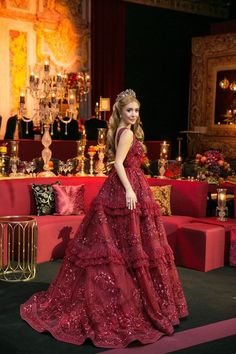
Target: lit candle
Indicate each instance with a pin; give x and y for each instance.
(84, 134)
(36, 79)
(31, 77)
(164, 150)
(46, 66)
(179, 159)
(53, 98)
(87, 77)
(59, 77)
(71, 99)
(22, 98)
(221, 198)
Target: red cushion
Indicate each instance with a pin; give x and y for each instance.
(187, 198)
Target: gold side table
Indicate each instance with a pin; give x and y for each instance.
(18, 247)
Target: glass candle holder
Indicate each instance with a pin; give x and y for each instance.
(102, 136)
(164, 151)
(14, 144)
(221, 197)
(221, 209)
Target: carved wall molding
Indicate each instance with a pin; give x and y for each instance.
(218, 8)
(211, 54)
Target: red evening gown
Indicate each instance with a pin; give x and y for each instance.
(118, 282)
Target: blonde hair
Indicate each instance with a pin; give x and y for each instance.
(122, 100)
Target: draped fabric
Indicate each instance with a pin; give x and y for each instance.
(118, 282)
(107, 48)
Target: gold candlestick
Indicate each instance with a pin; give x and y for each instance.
(164, 151)
(81, 158)
(100, 166)
(91, 156)
(162, 167)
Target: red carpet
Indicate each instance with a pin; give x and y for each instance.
(184, 339)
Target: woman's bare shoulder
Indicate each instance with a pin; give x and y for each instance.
(124, 132)
(126, 135)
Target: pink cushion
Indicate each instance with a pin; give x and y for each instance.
(69, 200)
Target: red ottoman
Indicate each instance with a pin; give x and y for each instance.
(232, 254)
(201, 246)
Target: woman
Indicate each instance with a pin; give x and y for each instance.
(118, 282)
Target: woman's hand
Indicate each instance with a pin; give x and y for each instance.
(131, 199)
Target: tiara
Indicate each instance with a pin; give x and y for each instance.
(125, 93)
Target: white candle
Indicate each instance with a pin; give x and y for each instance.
(164, 150)
(71, 99)
(59, 77)
(32, 77)
(46, 66)
(22, 98)
(53, 98)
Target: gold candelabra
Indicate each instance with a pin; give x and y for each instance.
(3, 152)
(163, 160)
(91, 152)
(100, 166)
(81, 144)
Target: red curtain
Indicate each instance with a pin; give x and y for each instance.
(107, 49)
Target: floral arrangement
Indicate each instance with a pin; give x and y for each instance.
(72, 80)
(212, 163)
(93, 149)
(174, 170)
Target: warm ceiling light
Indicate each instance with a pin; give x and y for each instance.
(232, 86)
(224, 84)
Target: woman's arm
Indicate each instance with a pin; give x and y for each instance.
(123, 147)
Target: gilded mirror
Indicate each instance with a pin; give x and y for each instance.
(211, 106)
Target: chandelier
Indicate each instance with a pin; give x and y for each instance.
(225, 84)
(58, 95)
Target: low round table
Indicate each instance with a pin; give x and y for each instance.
(18, 247)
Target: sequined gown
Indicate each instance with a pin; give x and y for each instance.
(118, 282)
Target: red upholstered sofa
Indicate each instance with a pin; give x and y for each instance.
(188, 202)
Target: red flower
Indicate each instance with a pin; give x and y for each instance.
(173, 170)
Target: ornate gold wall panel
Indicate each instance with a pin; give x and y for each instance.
(32, 30)
(216, 8)
(211, 54)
